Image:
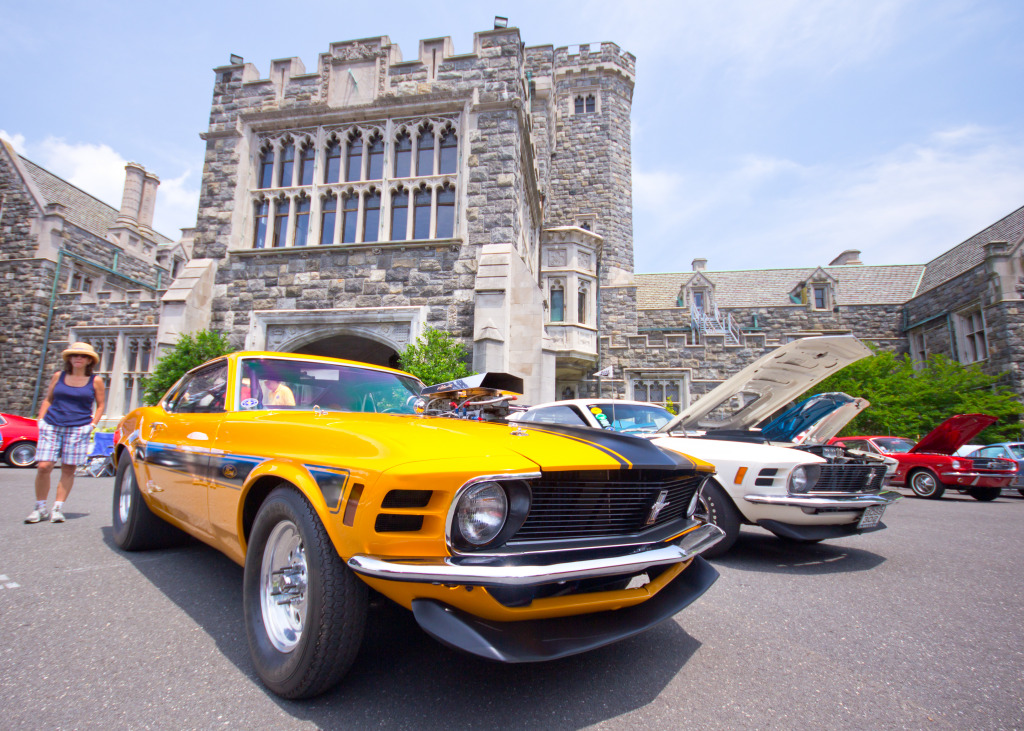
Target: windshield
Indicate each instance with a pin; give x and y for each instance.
(629, 417)
(298, 385)
(893, 445)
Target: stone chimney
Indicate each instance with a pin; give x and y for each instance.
(850, 256)
(134, 174)
(148, 205)
(699, 265)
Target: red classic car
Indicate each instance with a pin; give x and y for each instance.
(929, 467)
(18, 437)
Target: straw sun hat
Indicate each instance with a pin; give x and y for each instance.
(81, 349)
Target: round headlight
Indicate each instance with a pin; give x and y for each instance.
(804, 477)
(481, 513)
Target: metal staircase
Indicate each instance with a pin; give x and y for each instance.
(714, 323)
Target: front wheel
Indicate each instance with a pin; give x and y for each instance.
(136, 528)
(984, 494)
(715, 507)
(305, 610)
(22, 454)
(926, 484)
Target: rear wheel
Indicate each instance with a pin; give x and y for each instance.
(136, 528)
(715, 507)
(305, 610)
(925, 484)
(984, 494)
(22, 454)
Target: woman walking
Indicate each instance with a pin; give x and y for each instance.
(66, 421)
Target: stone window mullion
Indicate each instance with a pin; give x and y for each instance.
(338, 217)
(433, 212)
(409, 213)
(360, 212)
(289, 225)
(313, 237)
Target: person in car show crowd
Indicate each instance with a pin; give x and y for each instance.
(66, 421)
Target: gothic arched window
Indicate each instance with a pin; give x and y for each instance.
(306, 160)
(371, 215)
(267, 168)
(301, 232)
(421, 213)
(349, 217)
(425, 152)
(399, 215)
(354, 163)
(375, 161)
(284, 178)
(259, 239)
(445, 212)
(403, 155)
(449, 152)
(328, 214)
(332, 170)
(557, 302)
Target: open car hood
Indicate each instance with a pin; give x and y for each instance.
(953, 433)
(771, 381)
(814, 420)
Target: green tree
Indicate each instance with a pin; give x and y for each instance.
(190, 351)
(910, 403)
(435, 357)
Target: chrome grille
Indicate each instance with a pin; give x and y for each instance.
(849, 478)
(991, 463)
(604, 503)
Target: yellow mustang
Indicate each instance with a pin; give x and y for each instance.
(514, 542)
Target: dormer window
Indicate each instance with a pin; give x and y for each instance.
(820, 296)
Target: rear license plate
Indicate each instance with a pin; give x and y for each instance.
(871, 517)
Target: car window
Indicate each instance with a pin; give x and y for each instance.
(893, 445)
(272, 383)
(860, 444)
(624, 417)
(202, 392)
(1017, 450)
(556, 415)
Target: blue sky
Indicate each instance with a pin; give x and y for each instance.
(765, 133)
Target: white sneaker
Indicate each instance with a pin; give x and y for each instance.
(37, 516)
(57, 516)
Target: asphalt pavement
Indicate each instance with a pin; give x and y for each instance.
(918, 626)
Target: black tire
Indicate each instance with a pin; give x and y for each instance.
(1021, 491)
(136, 528)
(925, 484)
(984, 494)
(303, 647)
(21, 454)
(714, 506)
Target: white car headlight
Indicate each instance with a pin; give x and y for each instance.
(481, 513)
(804, 477)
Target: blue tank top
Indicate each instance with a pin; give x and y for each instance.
(71, 406)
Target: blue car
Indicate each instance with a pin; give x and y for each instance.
(1006, 450)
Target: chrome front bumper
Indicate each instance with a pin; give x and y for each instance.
(490, 571)
(841, 502)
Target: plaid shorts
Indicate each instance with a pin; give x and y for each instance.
(70, 443)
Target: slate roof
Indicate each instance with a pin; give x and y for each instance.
(857, 285)
(969, 254)
(81, 209)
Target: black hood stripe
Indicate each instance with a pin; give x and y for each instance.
(628, 450)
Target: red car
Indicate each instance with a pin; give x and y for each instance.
(19, 436)
(929, 467)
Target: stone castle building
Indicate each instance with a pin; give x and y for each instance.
(488, 194)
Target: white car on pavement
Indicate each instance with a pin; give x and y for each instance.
(782, 477)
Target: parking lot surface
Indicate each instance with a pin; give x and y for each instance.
(916, 626)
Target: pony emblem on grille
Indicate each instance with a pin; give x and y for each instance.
(658, 506)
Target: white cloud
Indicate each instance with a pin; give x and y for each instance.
(176, 205)
(16, 141)
(907, 206)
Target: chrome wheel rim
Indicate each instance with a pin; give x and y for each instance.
(22, 455)
(124, 495)
(283, 586)
(924, 484)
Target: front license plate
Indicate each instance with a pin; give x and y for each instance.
(871, 516)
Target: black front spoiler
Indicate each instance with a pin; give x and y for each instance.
(815, 532)
(549, 639)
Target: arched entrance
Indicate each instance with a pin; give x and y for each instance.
(351, 347)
